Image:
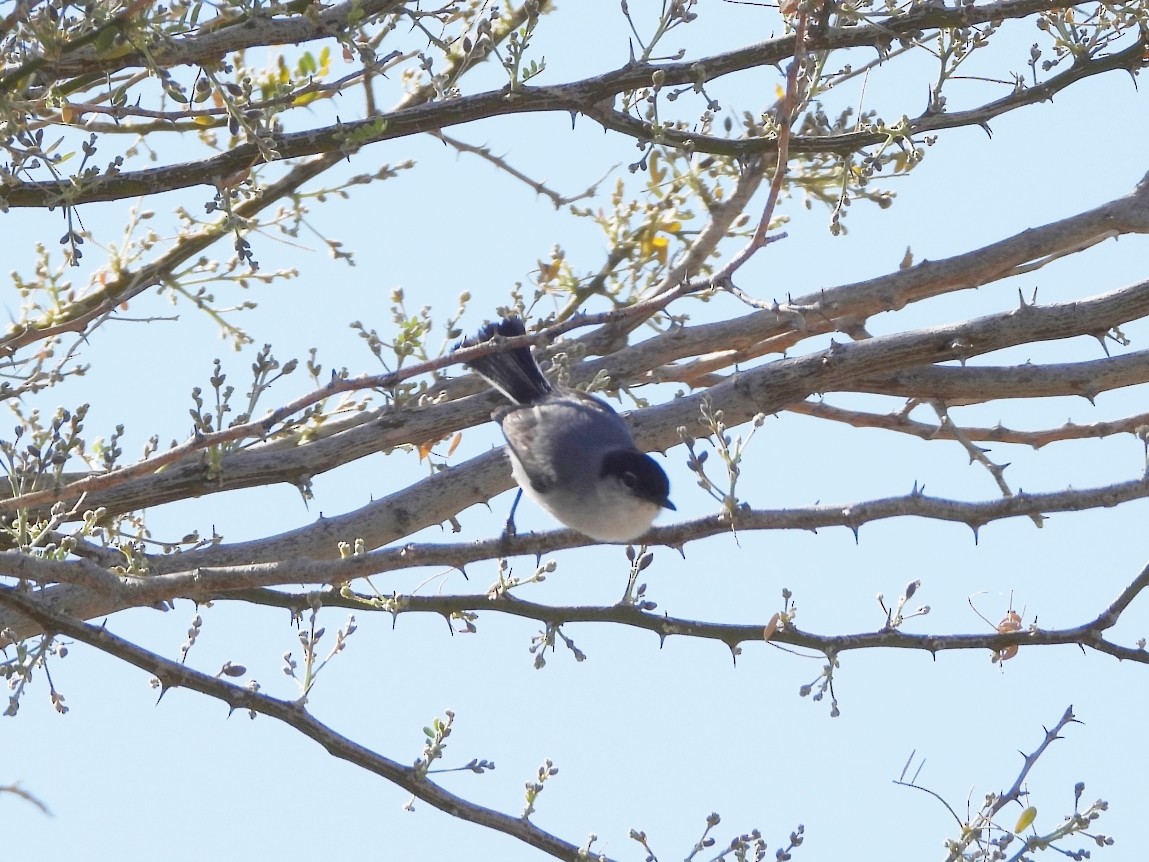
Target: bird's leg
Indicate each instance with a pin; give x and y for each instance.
(509, 529)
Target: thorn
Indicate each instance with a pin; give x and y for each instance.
(985, 128)
(854, 529)
(975, 529)
(463, 572)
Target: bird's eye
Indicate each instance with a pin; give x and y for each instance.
(630, 480)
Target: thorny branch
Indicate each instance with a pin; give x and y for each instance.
(171, 675)
(588, 97)
(1089, 634)
(901, 423)
(89, 589)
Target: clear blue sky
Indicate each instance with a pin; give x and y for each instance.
(645, 737)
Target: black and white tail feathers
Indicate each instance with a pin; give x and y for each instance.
(513, 372)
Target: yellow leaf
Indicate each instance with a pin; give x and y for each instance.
(1025, 820)
(548, 271)
(455, 441)
(771, 627)
(657, 247)
(779, 93)
(204, 120)
(656, 173)
(306, 99)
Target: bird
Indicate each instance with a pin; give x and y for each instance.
(570, 452)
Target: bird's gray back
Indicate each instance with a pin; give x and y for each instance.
(579, 428)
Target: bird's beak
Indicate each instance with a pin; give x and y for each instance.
(666, 504)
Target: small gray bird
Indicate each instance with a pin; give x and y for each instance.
(570, 452)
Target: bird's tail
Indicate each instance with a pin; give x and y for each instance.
(513, 372)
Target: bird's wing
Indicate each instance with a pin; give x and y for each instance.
(520, 424)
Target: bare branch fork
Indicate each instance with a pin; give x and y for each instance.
(974, 830)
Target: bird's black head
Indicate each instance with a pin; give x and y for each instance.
(640, 474)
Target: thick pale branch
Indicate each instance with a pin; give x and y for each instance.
(765, 389)
(957, 385)
(309, 555)
(844, 307)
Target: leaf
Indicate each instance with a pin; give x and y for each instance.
(657, 174)
(105, 41)
(306, 99)
(771, 627)
(1025, 820)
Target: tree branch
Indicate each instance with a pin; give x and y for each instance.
(765, 389)
(903, 424)
(310, 554)
(216, 39)
(294, 714)
(587, 97)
